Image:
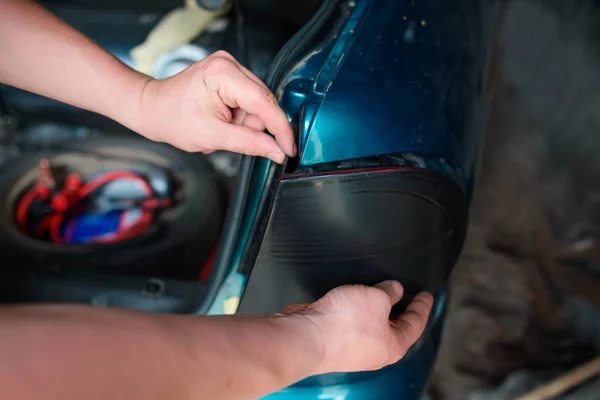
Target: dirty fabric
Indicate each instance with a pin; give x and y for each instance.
(526, 291)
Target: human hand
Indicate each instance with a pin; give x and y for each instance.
(355, 327)
(215, 104)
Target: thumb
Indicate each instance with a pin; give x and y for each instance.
(244, 140)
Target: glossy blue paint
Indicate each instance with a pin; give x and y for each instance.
(400, 76)
(404, 380)
(397, 78)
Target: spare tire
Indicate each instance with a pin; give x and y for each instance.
(177, 246)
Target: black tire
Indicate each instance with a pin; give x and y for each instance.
(176, 247)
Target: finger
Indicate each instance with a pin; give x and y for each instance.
(411, 323)
(253, 122)
(240, 139)
(295, 308)
(246, 71)
(260, 102)
(237, 91)
(241, 117)
(251, 75)
(393, 289)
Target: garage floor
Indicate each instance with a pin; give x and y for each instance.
(527, 289)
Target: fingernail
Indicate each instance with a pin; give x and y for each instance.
(426, 296)
(398, 288)
(277, 157)
(394, 283)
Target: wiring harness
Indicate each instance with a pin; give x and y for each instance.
(49, 210)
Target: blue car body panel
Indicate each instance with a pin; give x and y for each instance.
(399, 76)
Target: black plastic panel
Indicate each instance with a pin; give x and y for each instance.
(360, 227)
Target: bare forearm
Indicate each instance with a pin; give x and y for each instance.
(250, 356)
(215, 104)
(42, 54)
(79, 352)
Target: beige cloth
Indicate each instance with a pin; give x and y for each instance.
(177, 28)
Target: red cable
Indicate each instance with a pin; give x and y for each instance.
(208, 264)
(43, 225)
(136, 229)
(53, 221)
(101, 180)
(39, 190)
(23, 208)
